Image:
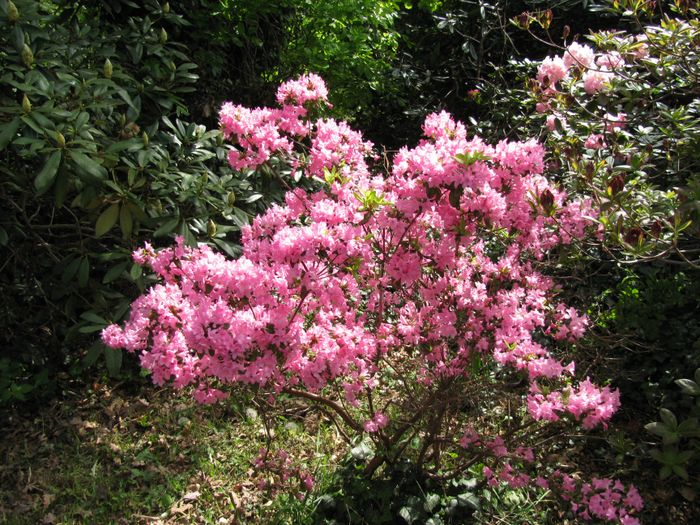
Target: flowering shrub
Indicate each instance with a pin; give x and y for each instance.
(391, 300)
(624, 124)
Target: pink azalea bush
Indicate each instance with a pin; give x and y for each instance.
(386, 297)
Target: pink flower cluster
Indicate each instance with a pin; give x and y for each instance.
(331, 282)
(586, 401)
(604, 499)
(263, 132)
(582, 66)
(400, 267)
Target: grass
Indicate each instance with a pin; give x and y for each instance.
(110, 457)
(132, 454)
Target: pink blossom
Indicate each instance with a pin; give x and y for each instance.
(552, 70)
(596, 81)
(615, 122)
(595, 141)
(578, 55)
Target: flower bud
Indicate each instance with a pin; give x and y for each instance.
(524, 19)
(107, 69)
(211, 228)
(565, 33)
(144, 137)
(173, 67)
(122, 120)
(231, 198)
(634, 236)
(60, 140)
(27, 56)
(26, 105)
(616, 184)
(166, 8)
(547, 201)
(12, 12)
(163, 36)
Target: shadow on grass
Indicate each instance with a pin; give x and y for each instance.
(109, 456)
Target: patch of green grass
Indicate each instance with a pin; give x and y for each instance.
(111, 457)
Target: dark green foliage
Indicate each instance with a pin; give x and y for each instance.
(400, 496)
(95, 160)
(658, 309)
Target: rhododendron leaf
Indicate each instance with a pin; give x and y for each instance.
(136, 271)
(88, 165)
(61, 188)
(83, 272)
(46, 176)
(190, 239)
(167, 227)
(114, 272)
(92, 316)
(93, 353)
(113, 359)
(125, 222)
(106, 220)
(8, 132)
(680, 471)
(91, 329)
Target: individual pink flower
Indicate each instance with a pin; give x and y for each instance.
(595, 141)
(542, 107)
(615, 122)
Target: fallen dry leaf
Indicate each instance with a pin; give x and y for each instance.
(47, 500)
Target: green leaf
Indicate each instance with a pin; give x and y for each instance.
(114, 272)
(689, 386)
(113, 358)
(186, 233)
(90, 329)
(61, 188)
(47, 174)
(125, 222)
(88, 165)
(136, 271)
(83, 272)
(668, 417)
(106, 220)
(167, 227)
(93, 353)
(92, 316)
(8, 132)
(679, 470)
(70, 270)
